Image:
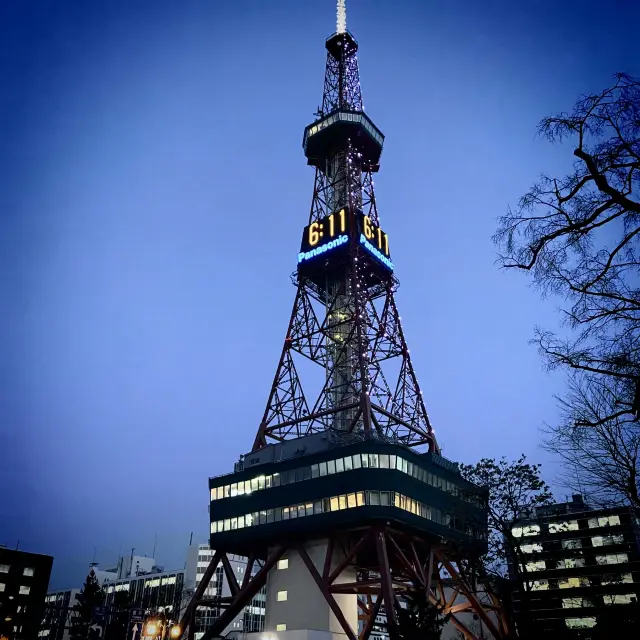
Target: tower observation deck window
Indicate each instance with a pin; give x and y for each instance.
(339, 503)
(345, 464)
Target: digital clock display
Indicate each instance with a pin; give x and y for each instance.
(333, 231)
(373, 234)
(322, 231)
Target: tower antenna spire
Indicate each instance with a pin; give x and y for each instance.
(341, 22)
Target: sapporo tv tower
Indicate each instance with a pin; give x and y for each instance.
(344, 502)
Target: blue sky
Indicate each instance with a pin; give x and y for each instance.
(152, 196)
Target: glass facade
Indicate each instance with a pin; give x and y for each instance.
(342, 116)
(338, 503)
(343, 465)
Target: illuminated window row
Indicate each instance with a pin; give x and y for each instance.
(347, 117)
(567, 525)
(327, 505)
(339, 465)
(574, 543)
(573, 563)
(570, 583)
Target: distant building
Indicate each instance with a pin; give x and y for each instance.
(24, 578)
(153, 592)
(56, 619)
(250, 620)
(151, 588)
(579, 563)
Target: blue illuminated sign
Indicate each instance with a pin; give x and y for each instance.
(374, 252)
(340, 240)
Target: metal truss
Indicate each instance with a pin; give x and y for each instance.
(355, 335)
(387, 564)
(342, 81)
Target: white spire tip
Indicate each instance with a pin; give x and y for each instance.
(341, 24)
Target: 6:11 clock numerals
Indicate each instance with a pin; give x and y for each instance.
(372, 232)
(317, 229)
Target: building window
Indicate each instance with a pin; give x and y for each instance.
(281, 627)
(539, 585)
(283, 564)
(601, 541)
(612, 558)
(28, 571)
(1, 586)
(604, 521)
(527, 530)
(531, 548)
(4, 568)
(620, 598)
(571, 603)
(570, 563)
(24, 591)
(572, 583)
(571, 544)
(619, 578)
(580, 623)
(559, 527)
(282, 596)
(538, 565)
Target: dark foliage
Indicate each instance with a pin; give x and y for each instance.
(420, 620)
(82, 617)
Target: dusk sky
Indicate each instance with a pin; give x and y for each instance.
(153, 191)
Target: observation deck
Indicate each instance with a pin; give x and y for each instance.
(333, 132)
(312, 485)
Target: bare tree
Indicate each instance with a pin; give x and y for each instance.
(579, 236)
(515, 490)
(601, 452)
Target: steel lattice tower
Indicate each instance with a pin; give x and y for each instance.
(387, 512)
(344, 316)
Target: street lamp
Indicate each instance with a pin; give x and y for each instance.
(158, 629)
(151, 628)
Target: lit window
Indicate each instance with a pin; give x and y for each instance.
(539, 585)
(539, 565)
(617, 579)
(612, 558)
(580, 623)
(4, 568)
(282, 596)
(334, 504)
(281, 627)
(600, 541)
(351, 500)
(528, 530)
(559, 527)
(283, 564)
(24, 591)
(570, 563)
(604, 521)
(571, 583)
(571, 544)
(620, 598)
(360, 497)
(1, 586)
(571, 603)
(531, 548)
